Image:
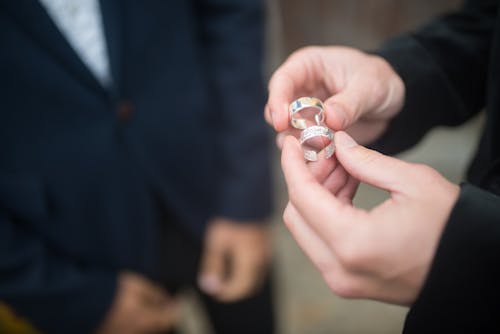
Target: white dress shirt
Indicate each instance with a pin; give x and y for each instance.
(80, 21)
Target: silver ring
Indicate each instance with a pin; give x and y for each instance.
(304, 103)
(317, 131)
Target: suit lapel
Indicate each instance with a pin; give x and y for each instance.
(31, 16)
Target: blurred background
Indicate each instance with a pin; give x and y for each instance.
(304, 303)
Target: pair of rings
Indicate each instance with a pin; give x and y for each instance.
(313, 131)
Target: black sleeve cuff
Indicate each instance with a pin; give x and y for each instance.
(429, 100)
(461, 293)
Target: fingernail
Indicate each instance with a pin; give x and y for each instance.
(209, 284)
(343, 139)
(339, 113)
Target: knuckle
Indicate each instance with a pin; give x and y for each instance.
(290, 220)
(326, 267)
(378, 64)
(287, 216)
(356, 256)
(424, 170)
(310, 49)
(342, 285)
(337, 180)
(350, 259)
(276, 78)
(426, 173)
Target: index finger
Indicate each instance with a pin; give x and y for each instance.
(325, 213)
(289, 80)
(281, 93)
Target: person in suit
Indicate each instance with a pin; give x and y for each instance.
(433, 245)
(134, 163)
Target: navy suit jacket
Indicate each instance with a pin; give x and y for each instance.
(82, 167)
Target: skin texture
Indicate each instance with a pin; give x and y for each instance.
(140, 306)
(235, 259)
(234, 263)
(360, 92)
(384, 253)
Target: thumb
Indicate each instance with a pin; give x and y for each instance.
(344, 108)
(370, 166)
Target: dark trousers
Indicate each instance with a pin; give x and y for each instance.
(181, 253)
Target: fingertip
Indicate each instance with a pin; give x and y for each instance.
(336, 114)
(280, 117)
(281, 92)
(209, 283)
(276, 115)
(267, 115)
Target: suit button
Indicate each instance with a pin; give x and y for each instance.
(124, 111)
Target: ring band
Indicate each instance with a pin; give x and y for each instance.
(317, 131)
(304, 103)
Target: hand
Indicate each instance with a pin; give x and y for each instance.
(382, 254)
(140, 306)
(235, 259)
(361, 92)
